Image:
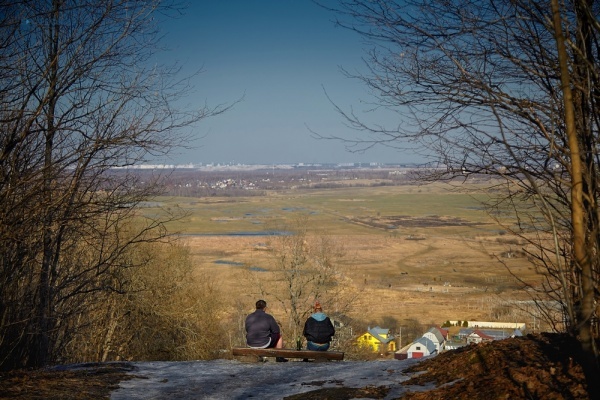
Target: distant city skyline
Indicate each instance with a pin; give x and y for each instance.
(256, 166)
(280, 57)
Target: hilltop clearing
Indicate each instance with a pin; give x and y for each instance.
(531, 367)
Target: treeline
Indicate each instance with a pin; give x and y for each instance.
(83, 276)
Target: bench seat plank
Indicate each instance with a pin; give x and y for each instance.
(288, 353)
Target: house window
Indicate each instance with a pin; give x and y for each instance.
(418, 347)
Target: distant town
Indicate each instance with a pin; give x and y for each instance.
(249, 167)
(193, 180)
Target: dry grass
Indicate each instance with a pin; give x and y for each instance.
(438, 263)
(443, 277)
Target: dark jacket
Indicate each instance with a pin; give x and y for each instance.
(259, 327)
(318, 328)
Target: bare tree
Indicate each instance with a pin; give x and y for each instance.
(305, 269)
(81, 95)
(507, 89)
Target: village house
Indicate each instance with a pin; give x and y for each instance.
(422, 347)
(380, 340)
(478, 336)
(432, 342)
(436, 340)
(486, 335)
(402, 354)
(438, 336)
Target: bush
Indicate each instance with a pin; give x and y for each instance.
(160, 312)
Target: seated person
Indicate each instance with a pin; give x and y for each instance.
(318, 330)
(262, 331)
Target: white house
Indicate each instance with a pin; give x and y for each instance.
(478, 336)
(438, 337)
(422, 347)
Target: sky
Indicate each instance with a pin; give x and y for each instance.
(280, 57)
(231, 379)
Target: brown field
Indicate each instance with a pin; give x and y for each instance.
(431, 257)
(431, 280)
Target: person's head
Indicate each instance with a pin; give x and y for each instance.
(318, 307)
(261, 305)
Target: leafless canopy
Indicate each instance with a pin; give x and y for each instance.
(82, 93)
(508, 89)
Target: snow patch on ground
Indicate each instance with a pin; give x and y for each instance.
(231, 379)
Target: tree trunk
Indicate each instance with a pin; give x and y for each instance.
(585, 294)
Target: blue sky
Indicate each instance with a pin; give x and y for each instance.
(280, 56)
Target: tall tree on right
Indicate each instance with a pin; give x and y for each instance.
(507, 88)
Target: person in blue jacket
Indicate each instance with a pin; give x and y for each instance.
(318, 330)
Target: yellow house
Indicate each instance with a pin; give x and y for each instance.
(378, 339)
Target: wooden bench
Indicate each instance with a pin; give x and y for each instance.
(289, 353)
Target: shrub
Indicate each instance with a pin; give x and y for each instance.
(160, 312)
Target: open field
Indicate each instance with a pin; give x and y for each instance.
(417, 252)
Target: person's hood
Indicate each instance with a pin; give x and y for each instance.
(319, 316)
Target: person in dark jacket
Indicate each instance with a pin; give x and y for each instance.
(262, 331)
(318, 330)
